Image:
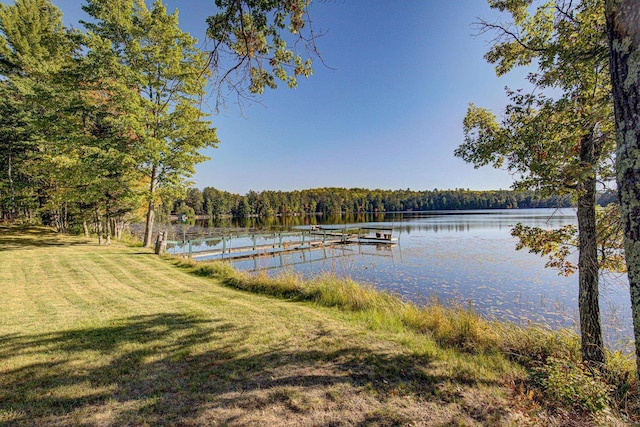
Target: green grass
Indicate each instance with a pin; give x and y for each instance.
(551, 358)
(97, 335)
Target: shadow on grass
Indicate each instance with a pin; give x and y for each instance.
(18, 236)
(174, 369)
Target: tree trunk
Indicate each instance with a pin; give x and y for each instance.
(107, 223)
(148, 229)
(118, 227)
(55, 219)
(65, 217)
(85, 228)
(588, 302)
(623, 29)
(12, 211)
(99, 226)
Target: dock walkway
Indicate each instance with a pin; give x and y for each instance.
(250, 245)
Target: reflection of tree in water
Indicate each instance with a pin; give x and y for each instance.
(407, 222)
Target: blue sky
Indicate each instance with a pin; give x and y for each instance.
(387, 114)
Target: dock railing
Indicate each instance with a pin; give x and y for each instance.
(251, 244)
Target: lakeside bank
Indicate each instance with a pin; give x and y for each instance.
(114, 335)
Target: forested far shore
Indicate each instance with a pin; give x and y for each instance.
(213, 202)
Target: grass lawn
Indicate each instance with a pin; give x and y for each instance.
(114, 335)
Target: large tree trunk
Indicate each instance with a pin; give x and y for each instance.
(148, 229)
(588, 302)
(623, 29)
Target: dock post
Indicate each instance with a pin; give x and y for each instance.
(253, 237)
(224, 245)
(302, 244)
(190, 248)
(280, 240)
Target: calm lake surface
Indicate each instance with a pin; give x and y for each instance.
(461, 257)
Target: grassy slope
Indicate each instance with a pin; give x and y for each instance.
(117, 336)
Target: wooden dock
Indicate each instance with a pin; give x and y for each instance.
(305, 256)
(370, 235)
(280, 242)
(258, 250)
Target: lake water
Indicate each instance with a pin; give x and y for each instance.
(465, 257)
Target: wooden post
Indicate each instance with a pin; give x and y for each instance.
(161, 243)
(157, 246)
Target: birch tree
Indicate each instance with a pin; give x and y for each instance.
(623, 30)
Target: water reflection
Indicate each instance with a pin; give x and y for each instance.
(468, 257)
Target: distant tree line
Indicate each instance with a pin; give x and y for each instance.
(213, 202)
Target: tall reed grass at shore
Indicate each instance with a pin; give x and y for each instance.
(551, 358)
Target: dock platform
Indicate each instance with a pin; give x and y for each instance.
(253, 244)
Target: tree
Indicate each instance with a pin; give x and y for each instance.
(559, 141)
(249, 46)
(242, 209)
(34, 40)
(15, 148)
(623, 30)
(195, 199)
(61, 125)
(34, 47)
(95, 120)
(169, 75)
